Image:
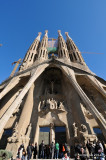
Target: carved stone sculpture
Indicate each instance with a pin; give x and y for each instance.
(50, 104)
(84, 128)
(14, 136)
(51, 125)
(61, 106)
(29, 130)
(39, 107)
(75, 128)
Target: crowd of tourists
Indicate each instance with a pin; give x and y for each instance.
(97, 150)
(45, 151)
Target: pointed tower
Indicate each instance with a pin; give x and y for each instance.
(31, 54)
(74, 53)
(62, 47)
(42, 52)
(53, 97)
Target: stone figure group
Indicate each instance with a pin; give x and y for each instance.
(83, 129)
(19, 136)
(50, 104)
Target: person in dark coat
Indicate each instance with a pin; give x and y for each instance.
(48, 152)
(66, 149)
(82, 154)
(42, 149)
(35, 151)
(89, 146)
(29, 151)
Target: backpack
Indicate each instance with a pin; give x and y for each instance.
(63, 148)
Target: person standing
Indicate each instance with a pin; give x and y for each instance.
(35, 151)
(52, 147)
(48, 152)
(89, 147)
(24, 155)
(20, 151)
(63, 150)
(57, 150)
(32, 149)
(45, 151)
(82, 154)
(42, 149)
(29, 151)
(66, 149)
(101, 147)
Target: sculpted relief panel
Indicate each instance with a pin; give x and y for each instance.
(50, 105)
(52, 111)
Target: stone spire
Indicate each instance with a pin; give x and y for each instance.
(62, 47)
(31, 54)
(42, 52)
(74, 53)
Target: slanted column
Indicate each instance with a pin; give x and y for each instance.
(62, 47)
(14, 105)
(26, 112)
(75, 54)
(9, 102)
(10, 86)
(97, 115)
(31, 54)
(42, 52)
(96, 84)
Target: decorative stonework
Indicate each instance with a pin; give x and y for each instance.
(84, 129)
(75, 129)
(22, 139)
(50, 105)
(14, 137)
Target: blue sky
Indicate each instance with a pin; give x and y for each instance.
(21, 20)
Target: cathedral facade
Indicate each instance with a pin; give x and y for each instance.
(54, 97)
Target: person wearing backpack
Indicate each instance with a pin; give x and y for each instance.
(63, 150)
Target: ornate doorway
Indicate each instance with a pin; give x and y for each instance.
(46, 135)
(60, 135)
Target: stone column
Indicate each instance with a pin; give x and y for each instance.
(36, 138)
(10, 86)
(97, 115)
(9, 102)
(96, 84)
(52, 133)
(26, 112)
(17, 101)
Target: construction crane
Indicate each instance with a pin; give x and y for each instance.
(92, 53)
(16, 66)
